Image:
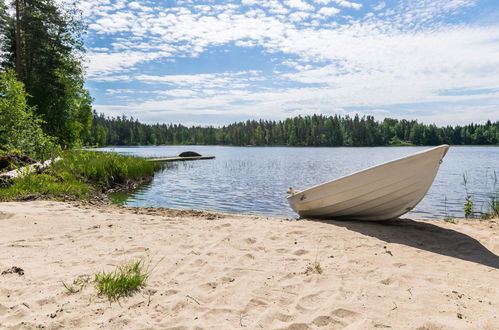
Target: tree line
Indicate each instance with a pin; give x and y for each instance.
(315, 130)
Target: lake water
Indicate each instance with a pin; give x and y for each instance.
(255, 179)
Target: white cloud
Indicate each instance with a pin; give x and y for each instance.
(101, 64)
(349, 4)
(328, 11)
(342, 3)
(299, 16)
(398, 55)
(379, 6)
(298, 4)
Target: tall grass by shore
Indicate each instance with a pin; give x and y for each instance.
(79, 174)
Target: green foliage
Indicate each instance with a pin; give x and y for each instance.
(51, 66)
(316, 130)
(395, 141)
(494, 205)
(103, 169)
(494, 198)
(123, 282)
(20, 129)
(44, 185)
(468, 205)
(79, 174)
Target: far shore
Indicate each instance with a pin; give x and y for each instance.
(227, 271)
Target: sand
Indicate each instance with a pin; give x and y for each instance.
(220, 271)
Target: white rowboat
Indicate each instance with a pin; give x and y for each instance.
(381, 192)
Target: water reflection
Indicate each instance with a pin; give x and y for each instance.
(255, 179)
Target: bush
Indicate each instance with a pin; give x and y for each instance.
(20, 129)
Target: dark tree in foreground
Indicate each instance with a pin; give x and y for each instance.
(20, 129)
(49, 50)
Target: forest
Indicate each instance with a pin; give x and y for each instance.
(316, 130)
(44, 105)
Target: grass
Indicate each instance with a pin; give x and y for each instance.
(494, 198)
(468, 206)
(450, 220)
(494, 205)
(123, 282)
(314, 268)
(104, 168)
(447, 217)
(80, 174)
(78, 284)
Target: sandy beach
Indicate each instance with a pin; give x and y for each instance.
(221, 271)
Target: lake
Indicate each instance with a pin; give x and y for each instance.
(255, 179)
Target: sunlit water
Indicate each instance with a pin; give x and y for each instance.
(255, 179)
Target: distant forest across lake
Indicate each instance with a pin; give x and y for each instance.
(315, 130)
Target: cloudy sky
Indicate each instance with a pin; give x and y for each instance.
(217, 62)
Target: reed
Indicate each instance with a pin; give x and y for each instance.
(80, 174)
(493, 202)
(494, 205)
(447, 217)
(494, 198)
(468, 205)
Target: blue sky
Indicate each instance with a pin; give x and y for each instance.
(218, 62)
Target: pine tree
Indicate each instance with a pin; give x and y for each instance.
(47, 53)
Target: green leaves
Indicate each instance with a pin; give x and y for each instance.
(51, 67)
(20, 128)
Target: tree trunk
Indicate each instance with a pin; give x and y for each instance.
(18, 42)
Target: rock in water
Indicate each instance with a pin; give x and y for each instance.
(189, 154)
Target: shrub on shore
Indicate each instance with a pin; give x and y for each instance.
(79, 174)
(20, 129)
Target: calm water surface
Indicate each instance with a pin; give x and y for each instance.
(255, 179)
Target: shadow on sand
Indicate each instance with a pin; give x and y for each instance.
(424, 236)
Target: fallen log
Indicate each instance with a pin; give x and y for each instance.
(40, 166)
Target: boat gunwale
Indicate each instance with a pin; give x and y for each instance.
(302, 192)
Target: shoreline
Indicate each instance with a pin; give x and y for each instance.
(221, 270)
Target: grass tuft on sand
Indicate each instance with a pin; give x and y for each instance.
(78, 284)
(452, 220)
(314, 268)
(123, 282)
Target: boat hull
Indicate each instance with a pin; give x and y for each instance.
(382, 192)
